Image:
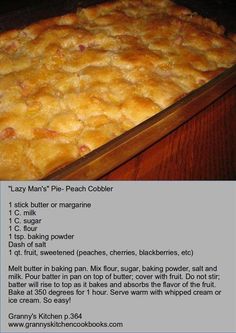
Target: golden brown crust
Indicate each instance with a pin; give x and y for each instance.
(69, 84)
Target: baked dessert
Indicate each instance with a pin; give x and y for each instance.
(72, 83)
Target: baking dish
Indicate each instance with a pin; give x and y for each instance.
(125, 156)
